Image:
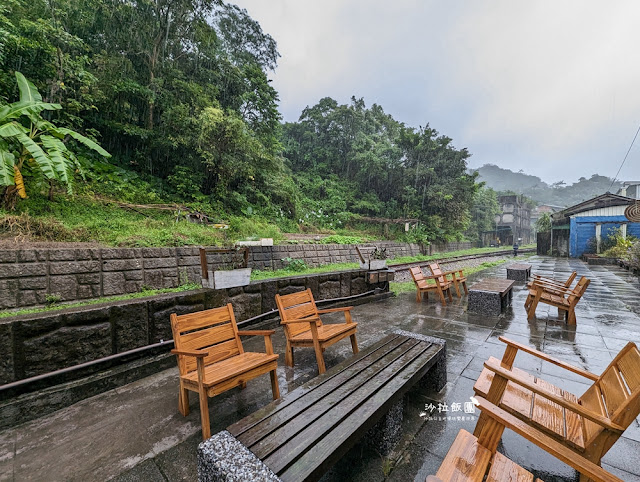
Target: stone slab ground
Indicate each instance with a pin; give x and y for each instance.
(136, 433)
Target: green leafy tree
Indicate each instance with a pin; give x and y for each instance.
(32, 147)
(483, 211)
(543, 224)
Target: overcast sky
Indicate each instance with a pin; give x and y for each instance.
(550, 87)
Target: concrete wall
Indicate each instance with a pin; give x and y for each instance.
(28, 276)
(41, 343)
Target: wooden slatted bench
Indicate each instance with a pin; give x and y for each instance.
(301, 435)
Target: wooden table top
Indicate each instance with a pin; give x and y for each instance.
(494, 285)
(306, 431)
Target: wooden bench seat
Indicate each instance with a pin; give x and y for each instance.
(457, 277)
(228, 369)
(472, 457)
(440, 285)
(301, 435)
(304, 328)
(467, 460)
(562, 298)
(589, 424)
(211, 359)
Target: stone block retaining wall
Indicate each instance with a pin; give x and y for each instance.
(41, 343)
(27, 277)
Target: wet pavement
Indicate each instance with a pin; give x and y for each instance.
(136, 432)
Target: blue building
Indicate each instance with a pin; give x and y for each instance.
(589, 222)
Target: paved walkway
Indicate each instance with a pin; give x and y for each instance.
(136, 433)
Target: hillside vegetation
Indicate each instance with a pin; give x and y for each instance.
(105, 102)
(557, 194)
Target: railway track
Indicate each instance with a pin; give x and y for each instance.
(453, 259)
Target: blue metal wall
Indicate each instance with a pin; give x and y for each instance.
(584, 228)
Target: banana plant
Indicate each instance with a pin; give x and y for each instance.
(32, 145)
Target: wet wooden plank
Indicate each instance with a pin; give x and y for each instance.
(277, 429)
(516, 399)
(546, 414)
(325, 382)
(466, 460)
(573, 423)
(505, 470)
(313, 456)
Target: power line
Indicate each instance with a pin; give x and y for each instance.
(625, 158)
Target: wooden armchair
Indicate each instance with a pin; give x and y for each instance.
(457, 277)
(471, 457)
(587, 425)
(550, 285)
(303, 326)
(440, 285)
(211, 359)
(562, 298)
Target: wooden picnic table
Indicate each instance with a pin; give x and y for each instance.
(490, 296)
(304, 433)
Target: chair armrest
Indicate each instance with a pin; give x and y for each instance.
(454, 272)
(574, 407)
(545, 442)
(195, 353)
(300, 320)
(268, 346)
(561, 289)
(544, 356)
(256, 332)
(333, 310)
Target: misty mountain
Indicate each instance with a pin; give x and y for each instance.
(557, 194)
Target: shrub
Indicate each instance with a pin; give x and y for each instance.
(340, 239)
(295, 265)
(633, 255)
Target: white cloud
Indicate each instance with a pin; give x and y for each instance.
(549, 87)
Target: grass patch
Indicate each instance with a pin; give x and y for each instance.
(258, 275)
(449, 254)
(130, 296)
(83, 218)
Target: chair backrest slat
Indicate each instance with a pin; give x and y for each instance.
(294, 306)
(616, 394)
(613, 390)
(212, 330)
(629, 365)
(579, 290)
(436, 271)
(416, 273)
(592, 399)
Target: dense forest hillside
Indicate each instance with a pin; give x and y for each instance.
(105, 102)
(557, 194)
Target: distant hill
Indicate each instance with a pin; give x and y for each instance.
(558, 194)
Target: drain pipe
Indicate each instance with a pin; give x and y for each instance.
(48, 379)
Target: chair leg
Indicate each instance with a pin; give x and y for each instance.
(183, 400)
(449, 293)
(442, 300)
(320, 360)
(464, 285)
(418, 296)
(571, 317)
(243, 385)
(204, 415)
(288, 355)
(275, 389)
(354, 343)
(457, 289)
